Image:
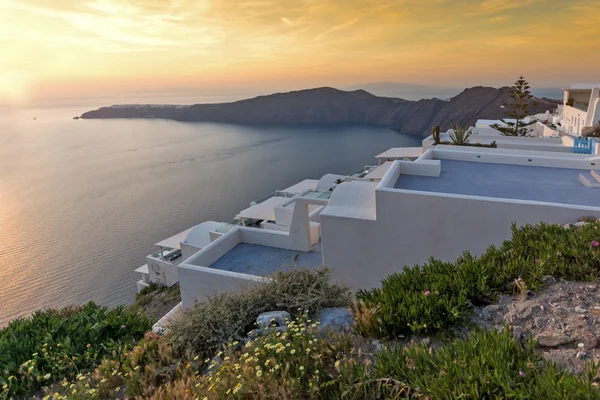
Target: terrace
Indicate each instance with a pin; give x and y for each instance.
(517, 182)
(263, 260)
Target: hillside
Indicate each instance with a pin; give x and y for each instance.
(332, 106)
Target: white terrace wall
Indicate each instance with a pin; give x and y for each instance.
(197, 283)
(517, 157)
(162, 272)
(413, 226)
(197, 279)
(187, 250)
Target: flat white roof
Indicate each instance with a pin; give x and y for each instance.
(584, 86)
(327, 181)
(175, 240)
(300, 187)
(354, 199)
(264, 210)
(401, 152)
(199, 235)
(143, 269)
(379, 172)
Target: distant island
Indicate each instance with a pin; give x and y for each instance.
(331, 106)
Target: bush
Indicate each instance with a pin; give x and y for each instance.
(279, 365)
(57, 344)
(487, 365)
(299, 364)
(437, 296)
(230, 316)
(295, 364)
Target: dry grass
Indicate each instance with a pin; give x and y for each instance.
(230, 316)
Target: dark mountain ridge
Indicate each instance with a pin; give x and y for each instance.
(332, 106)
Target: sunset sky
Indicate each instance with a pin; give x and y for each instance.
(62, 48)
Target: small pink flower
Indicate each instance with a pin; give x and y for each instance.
(522, 373)
(427, 293)
(595, 244)
(537, 261)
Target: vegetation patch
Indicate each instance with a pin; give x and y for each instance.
(300, 364)
(437, 296)
(486, 365)
(230, 316)
(58, 344)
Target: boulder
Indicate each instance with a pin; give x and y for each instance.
(273, 318)
(553, 339)
(335, 319)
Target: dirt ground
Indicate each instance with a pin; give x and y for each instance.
(564, 318)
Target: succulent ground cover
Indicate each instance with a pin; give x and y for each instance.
(208, 353)
(59, 344)
(438, 296)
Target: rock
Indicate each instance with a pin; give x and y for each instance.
(580, 345)
(278, 318)
(553, 339)
(580, 310)
(567, 226)
(590, 342)
(580, 223)
(540, 322)
(377, 344)
(517, 332)
(336, 320)
(491, 309)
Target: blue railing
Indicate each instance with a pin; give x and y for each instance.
(583, 145)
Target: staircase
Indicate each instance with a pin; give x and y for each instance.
(590, 180)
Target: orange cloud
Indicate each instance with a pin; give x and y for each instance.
(61, 47)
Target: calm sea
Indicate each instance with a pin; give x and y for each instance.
(83, 201)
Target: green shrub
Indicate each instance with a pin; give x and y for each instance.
(230, 316)
(57, 344)
(439, 295)
(461, 135)
(487, 365)
(299, 364)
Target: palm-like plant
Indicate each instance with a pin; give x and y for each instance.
(461, 135)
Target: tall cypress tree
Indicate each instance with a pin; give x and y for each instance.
(518, 109)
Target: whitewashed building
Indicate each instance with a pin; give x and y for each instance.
(581, 108)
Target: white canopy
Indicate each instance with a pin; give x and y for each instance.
(174, 241)
(378, 173)
(143, 269)
(327, 181)
(303, 186)
(264, 210)
(199, 236)
(401, 152)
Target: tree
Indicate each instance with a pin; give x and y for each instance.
(518, 109)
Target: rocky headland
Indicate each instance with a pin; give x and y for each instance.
(328, 106)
